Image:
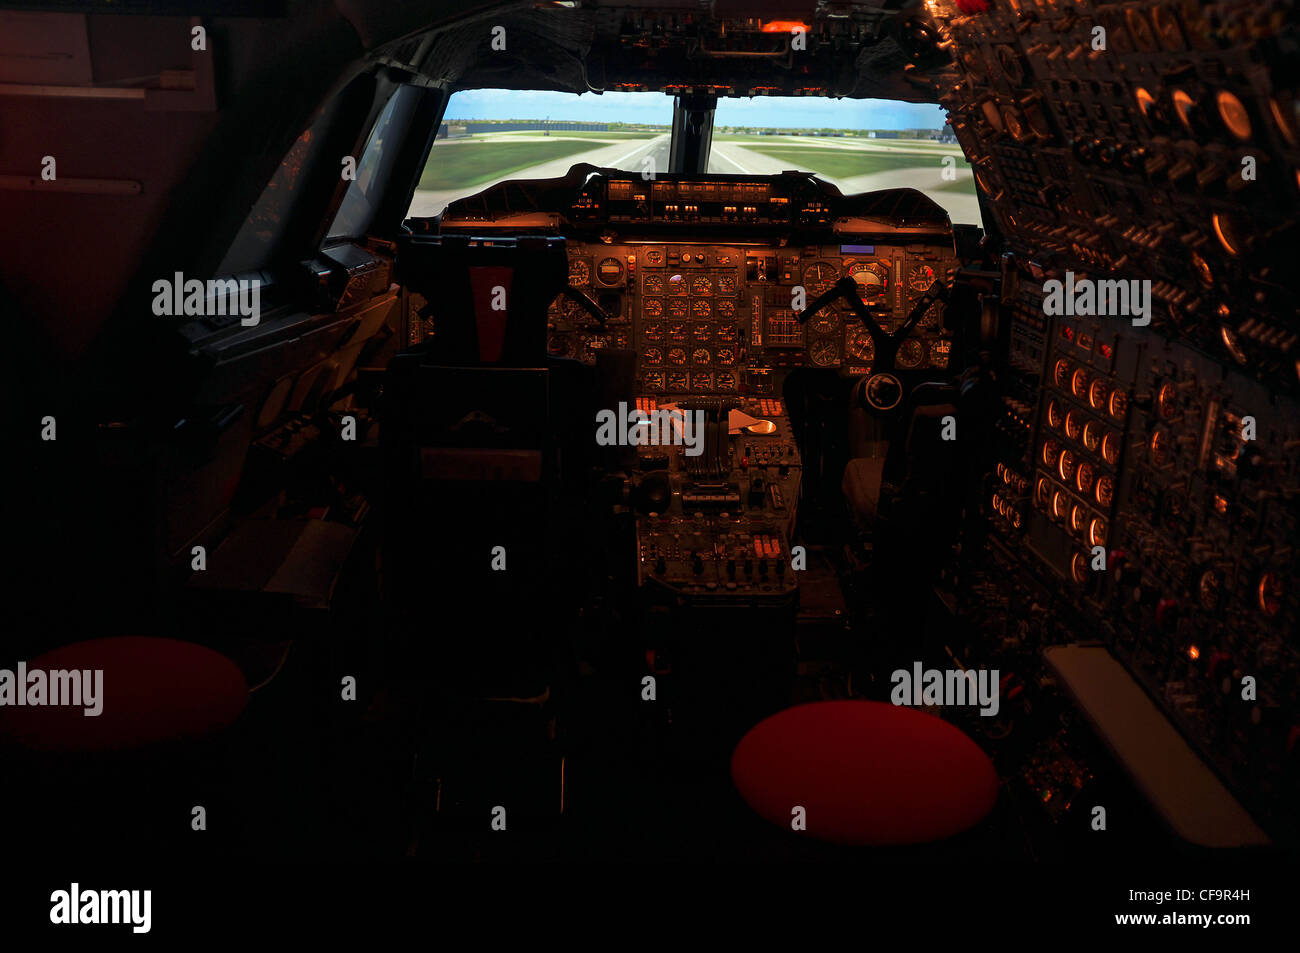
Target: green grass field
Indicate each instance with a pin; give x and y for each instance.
(842, 163)
(465, 164)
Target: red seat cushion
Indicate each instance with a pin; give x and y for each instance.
(864, 773)
(154, 690)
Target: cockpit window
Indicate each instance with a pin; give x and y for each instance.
(858, 145)
(489, 135)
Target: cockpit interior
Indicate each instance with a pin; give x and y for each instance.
(585, 431)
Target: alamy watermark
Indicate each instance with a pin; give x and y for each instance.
(1086, 297)
(954, 687)
(640, 428)
(177, 296)
(60, 688)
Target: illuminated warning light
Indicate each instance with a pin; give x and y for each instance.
(970, 7)
(1067, 332)
(784, 26)
(1193, 652)
(1106, 350)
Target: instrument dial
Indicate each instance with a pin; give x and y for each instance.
(824, 322)
(678, 307)
(579, 273)
(701, 355)
(726, 356)
(702, 333)
(653, 330)
(726, 309)
(726, 285)
(653, 355)
(818, 278)
(1105, 491)
(653, 307)
(677, 380)
(872, 278)
(824, 352)
(701, 308)
(676, 331)
(862, 347)
(653, 284)
(654, 256)
(557, 345)
(676, 285)
(701, 285)
(726, 332)
(654, 380)
(911, 354)
(921, 278)
(609, 271)
(726, 382)
(677, 355)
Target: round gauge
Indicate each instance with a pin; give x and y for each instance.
(702, 333)
(701, 285)
(701, 355)
(911, 354)
(1118, 404)
(654, 380)
(1079, 568)
(1233, 114)
(701, 308)
(1209, 588)
(862, 347)
(726, 332)
(579, 273)
(1061, 372)
(1110, 449)
(1085, 476)
(677, 379)
(653, 330)
(726, 381)
(1097, 394)
(726, 309)
(1091, 436)
(702, 381)
(1079, 383)
(676, 285)
(653, 355)
(1054, 415)
(726, 285)
(726, 356)
(1078, 518)
(1097, 532)
(654, 256)
(1162, 450)
(676, 331)
(1051, 451)
(1065, 465)
(678, 307)
(1043, 492)
(1072, 426)
(1060, 505)
(932, 317)
(609, 271)
(1167, 401)
(1268, 594)
(653, 284)
(558, 346)
(1105, 491)
(824, 322)
(823, 352)
(921, 278)
(818, 278)
(677, 355)
(872, 278)
(653, 307)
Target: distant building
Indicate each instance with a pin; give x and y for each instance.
(883, 134)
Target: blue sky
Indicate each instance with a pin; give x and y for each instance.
(778, 112)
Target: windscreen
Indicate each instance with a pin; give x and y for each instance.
(859, 145)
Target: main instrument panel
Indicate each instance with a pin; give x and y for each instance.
(722, 319)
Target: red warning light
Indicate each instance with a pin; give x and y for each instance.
(784, 26)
